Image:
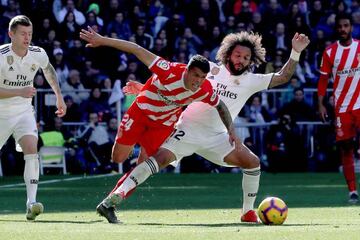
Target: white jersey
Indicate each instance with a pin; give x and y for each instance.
(234, 91)
(18, 72)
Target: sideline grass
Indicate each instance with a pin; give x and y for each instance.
(203, 206)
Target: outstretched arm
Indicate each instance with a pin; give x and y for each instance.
(299, 43)
(227, 120)
(51, 78)
(95, 40)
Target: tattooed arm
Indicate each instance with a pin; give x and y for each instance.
(299, 43)
(51, 78)
(227, 120)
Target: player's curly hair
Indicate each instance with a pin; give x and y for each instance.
(246, 39)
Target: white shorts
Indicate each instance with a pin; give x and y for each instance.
(18, 126)
(184, 142)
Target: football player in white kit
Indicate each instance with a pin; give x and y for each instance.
(200, 130)
(19, 63)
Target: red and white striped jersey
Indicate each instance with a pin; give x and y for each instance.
(164, 94)
(343, 63)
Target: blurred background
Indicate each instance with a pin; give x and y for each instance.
(280, 125)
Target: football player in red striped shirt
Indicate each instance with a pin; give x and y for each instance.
(341, 61)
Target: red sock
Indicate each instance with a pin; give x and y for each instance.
(121, 180)
(347, 158)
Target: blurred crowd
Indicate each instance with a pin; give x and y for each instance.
(175, 30)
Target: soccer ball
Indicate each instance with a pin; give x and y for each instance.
(272, 211)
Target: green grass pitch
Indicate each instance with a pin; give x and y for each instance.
(184, 206)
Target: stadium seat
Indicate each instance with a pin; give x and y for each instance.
(52, 157)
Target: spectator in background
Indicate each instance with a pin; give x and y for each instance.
(277, 61)
(272, 12)
(160, 49)
(256, 112)
(120, 26)
(174, 27)
(356, 24)
(112, 129)
(94, 19)
(96, 103)
(316, 13)
(293, 84)
(257, 23)
(76, 55)
(60, 12)
(201, 28)
(304, 72)
(73, 112)
(91, 74)
(277, 38)
(60, 66)
(12, 10)
(142, 38)
(74, 88)
(96, 144)
(285, 146)
(42, 31)
(298, 109)
(299, 25)
(193, 42)
(69, 30)
(215, 38)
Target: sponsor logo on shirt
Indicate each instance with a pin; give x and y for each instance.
(17, 83)
(171, 102)
(349, 72)
(221, 90)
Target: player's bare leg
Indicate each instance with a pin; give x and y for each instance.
(28, 144)
(250, 164)
(133, 178)
(121, 152)
(142, 156)
(347, 159)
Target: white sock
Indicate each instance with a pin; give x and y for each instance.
(250, 185)
(31, 177)
(140, 173)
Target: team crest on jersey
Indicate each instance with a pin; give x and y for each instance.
(215, 70)
(11, 69)
(33, 67)
(163, 64)
(10, 60)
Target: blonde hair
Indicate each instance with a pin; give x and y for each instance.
(246, 39)
(19, 20)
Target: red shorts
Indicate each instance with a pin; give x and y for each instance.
(136, 127)
(347, 124)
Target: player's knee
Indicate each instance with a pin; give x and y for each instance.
(118, 157)
(255, 162)
(164, 157)
(120, 153)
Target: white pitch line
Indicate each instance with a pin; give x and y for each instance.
(60, 180)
